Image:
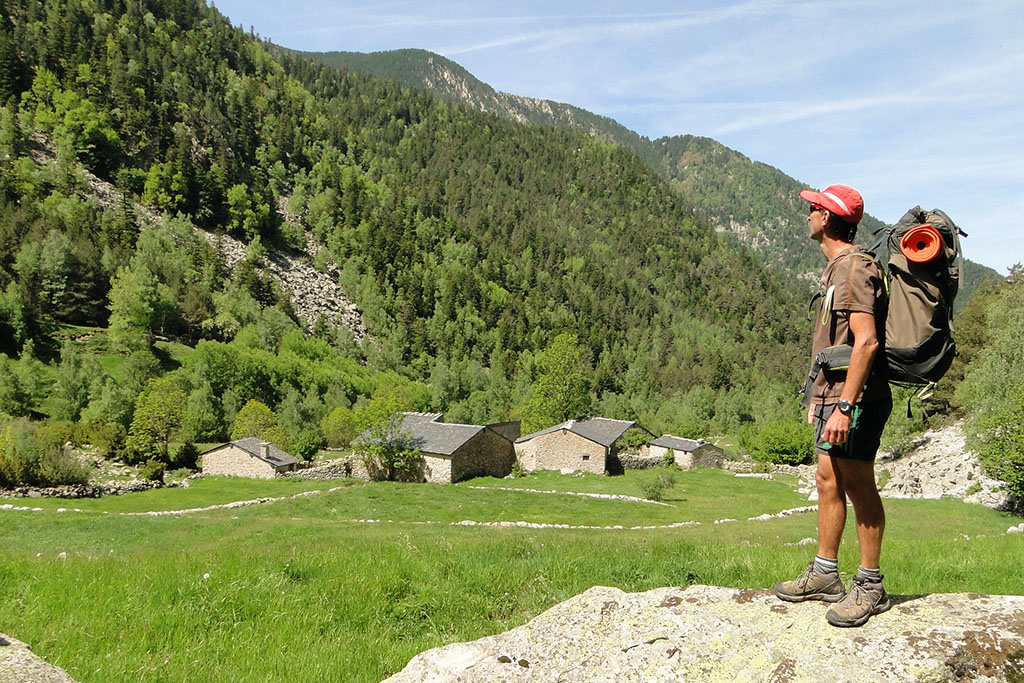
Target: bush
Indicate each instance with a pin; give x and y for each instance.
(307, 443)
(340, 426)
(28, 460)
(58, 468)
(107, 437)
(186, 457)
(20, 455)
(152, 470)
(654, 486)
(388, 453)
(781, 442)
(669, 458)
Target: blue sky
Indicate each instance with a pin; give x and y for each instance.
(911, 102)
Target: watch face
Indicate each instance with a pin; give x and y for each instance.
(845, 407)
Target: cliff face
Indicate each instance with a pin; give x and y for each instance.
(706, 633)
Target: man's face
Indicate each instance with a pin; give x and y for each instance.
(816, 222)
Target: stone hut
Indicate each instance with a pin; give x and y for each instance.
(453, 452)
(689, 453)
(249, 457)
(589, 444)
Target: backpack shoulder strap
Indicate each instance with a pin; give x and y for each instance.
(869, 254)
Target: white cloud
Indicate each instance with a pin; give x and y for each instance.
(916, 99)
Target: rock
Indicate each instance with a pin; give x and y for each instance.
(89, 490)
(313, 294)
(938, 464)
(710, 633)
(19, 665)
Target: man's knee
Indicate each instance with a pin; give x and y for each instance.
(827, 483)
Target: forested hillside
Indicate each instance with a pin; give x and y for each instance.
(753, 201)
(469, 243)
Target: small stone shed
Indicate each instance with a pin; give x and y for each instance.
(249, 457)
(588, 444)
(453, 452)
(689, 453)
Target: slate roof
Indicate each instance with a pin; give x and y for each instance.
(602, 430)
(677, 443)
(430, 435)
(275, 456)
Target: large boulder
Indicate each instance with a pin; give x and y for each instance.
(19, 665)
(706, 633)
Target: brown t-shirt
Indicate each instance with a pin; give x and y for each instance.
(852, 284)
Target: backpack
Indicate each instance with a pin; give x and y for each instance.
(923, 277)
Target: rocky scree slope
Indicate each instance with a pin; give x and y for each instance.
(313, 294)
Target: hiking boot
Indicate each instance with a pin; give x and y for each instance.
(864, 599)
(811, 585)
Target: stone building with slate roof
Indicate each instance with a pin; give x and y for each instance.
(589, 444)
(689, 453)
(249, 457)
(453, 452)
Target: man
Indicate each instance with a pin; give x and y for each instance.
(848, 403)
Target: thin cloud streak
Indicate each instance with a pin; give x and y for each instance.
(908, 99)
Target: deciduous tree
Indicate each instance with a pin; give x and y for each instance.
(561, 391)
(158, 414)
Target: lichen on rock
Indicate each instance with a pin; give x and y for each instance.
(711, 633)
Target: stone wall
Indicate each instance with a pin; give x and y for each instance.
(231, 460)
(704, 456)
(635, 461)
(345, 467)
(562, 450)
(437, 469)
(90, 490)
(486, 454)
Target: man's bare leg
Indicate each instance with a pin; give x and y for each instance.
(831, 506)
(858, 478)
(821, 579)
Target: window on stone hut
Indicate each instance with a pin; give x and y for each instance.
(586, 457)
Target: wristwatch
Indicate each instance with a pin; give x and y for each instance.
(845, 407)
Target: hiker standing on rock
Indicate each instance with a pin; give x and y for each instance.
(848, 401)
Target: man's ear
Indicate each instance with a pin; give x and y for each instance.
(826, 222)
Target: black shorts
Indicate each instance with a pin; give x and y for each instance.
(865, 435)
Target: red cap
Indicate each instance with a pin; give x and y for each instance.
(842, 200)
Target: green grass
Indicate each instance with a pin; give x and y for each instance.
(297, 590)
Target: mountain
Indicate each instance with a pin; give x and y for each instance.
(424, 70)
(468, 242)
(755, 202)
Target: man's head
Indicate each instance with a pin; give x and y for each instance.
(841, 206)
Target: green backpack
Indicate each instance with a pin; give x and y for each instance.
(922, 278)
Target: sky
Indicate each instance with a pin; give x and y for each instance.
(912, 102)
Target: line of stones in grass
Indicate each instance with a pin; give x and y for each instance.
(602, 496)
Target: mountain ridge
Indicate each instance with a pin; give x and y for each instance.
(753, 201)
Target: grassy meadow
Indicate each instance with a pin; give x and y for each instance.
(307, 589)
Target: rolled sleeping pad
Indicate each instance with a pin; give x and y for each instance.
(922, 243)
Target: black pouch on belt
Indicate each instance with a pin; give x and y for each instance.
(830, 358)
